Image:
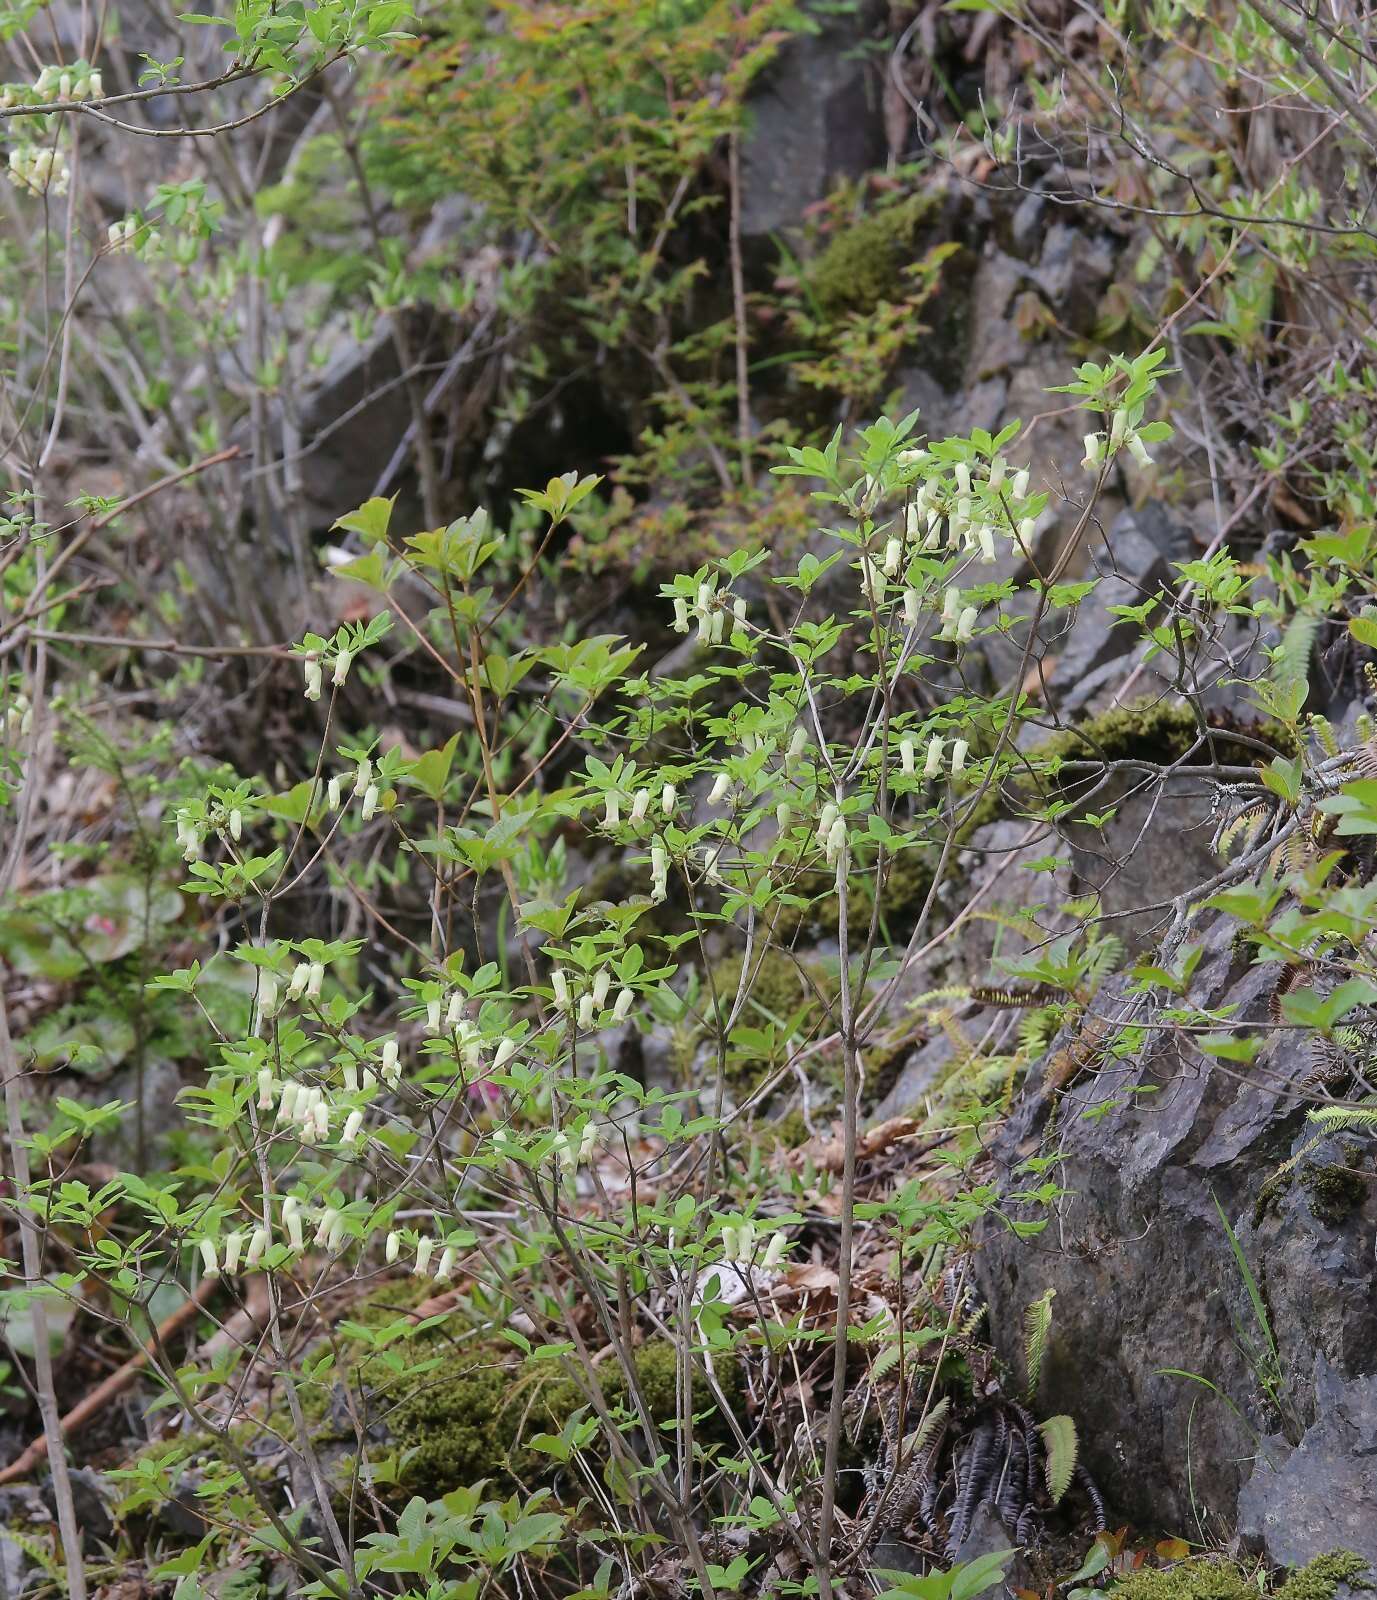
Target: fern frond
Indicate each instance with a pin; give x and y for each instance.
(1334, 1117)
(918, 1440)
(1323, 729)
(1108, 953)
(1062, 1447)
(937, 997)
(1245, 823)
(1037, 1323)
(1291, 659)
(884, 1361)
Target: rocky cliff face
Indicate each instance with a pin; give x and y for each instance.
(1221, 1386)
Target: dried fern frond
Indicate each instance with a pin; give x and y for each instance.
(1015, 997)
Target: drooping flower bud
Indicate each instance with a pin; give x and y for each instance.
(352, 1128)
(775, 1251)
(341, 671)
(234, 1243)
(958, 754)
(587, 1012)
(392, 1249)
(314, 678)
(622, 1008)
(668, 798)
(721, 784)
(258, 1243)
(933, 765)
(906, 757)
(265, 1089)
(425, 1247)
(370, 803)
(211, 1267)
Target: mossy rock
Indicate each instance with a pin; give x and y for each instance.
(1212, 1578)
(1202, 1579)
(864, 263)
(1335, 1190)
(470, 1417)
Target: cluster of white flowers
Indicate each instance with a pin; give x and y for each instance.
(973, 521)
(591, 1005)
(330, 1234)
(1100, 447)
(739, 1245)
(39, 170)
(638, 811)
(709, 611)
(365, 790)
(570, 1151)
(831, 834)
(80, 81)
(958, 620)
(18, 717)
(425, 1249)
(314, 664)
(122, 234)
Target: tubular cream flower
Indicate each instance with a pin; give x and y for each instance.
(836, 841)
(965, 626)
(622, 1008)
(370, 803)
(352, 1128)
(315, 678)
(258, 1243)
(425, 1247)
(958, 754)
(265, 1089)
(1094, 451)
(775, 1251)
(393, 1248)
(210, 1266)
(721, 785)
(234, 1243)
(906, 757)
(933, 765)
(341, 672)
(668, 797)
(587, 1012)
(1138, 450)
